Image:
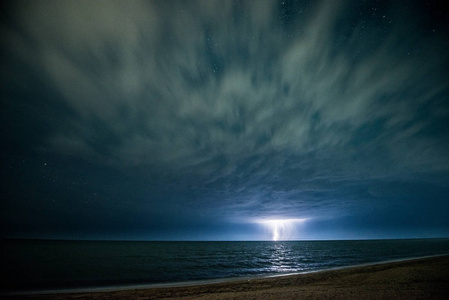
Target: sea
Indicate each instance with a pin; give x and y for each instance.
(57, 265)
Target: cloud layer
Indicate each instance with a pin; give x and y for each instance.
(182, 84)
(268, 105)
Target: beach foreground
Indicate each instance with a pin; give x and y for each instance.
(425, 278)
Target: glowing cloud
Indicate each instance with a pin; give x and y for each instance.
(282, 229)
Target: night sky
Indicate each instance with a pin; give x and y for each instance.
(210, 120)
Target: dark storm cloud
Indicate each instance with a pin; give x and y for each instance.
(261, 108)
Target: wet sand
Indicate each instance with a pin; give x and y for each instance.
(426, 278)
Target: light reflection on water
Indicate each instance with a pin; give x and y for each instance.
(282, 259)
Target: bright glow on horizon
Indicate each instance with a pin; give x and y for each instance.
(282, 229)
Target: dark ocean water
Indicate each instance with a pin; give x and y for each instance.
(31, 265)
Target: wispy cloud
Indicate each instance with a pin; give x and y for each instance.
(253, 97)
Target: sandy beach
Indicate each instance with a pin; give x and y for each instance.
(425, 278)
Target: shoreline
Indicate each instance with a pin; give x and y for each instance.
(214, 288)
